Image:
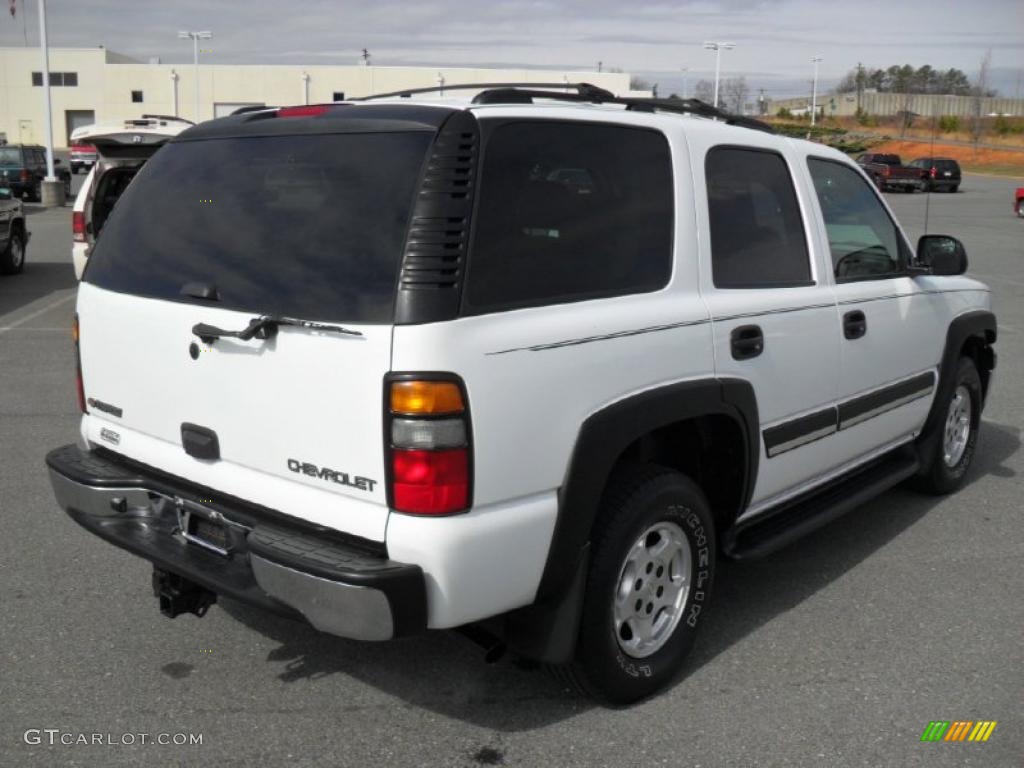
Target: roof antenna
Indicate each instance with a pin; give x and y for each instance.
(931, 162)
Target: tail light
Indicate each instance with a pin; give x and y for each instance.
(934, 172)
(78, 227)
(427, 427)
(886, 170)
(79, 384)
(25, 175)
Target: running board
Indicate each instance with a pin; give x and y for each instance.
(774, 529)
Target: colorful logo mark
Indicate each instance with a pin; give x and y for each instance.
(958, 730)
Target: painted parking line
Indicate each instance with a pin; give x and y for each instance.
(41, 311)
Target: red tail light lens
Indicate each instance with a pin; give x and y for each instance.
(79, 384)
(934, 172)
(310, 110)
(430, 482)
(25, 175)
(430, 459)
(78, 227)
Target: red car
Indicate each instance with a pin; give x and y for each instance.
(82, 156)
(1018, 202)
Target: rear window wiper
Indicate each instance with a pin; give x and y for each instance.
(264, 327)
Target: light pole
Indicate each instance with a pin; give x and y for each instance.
(684, 70)
(718, 47)
(174, 91)
(195, 37)
(50, 175)
(305, 87)
(814, 90)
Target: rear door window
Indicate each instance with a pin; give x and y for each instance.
(568, 212)
(307, 226)
(757, 232)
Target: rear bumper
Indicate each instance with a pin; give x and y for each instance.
(336, 586)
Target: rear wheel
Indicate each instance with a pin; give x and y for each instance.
(67, 188)
(649, 581)
(12, 259)
(951, 454)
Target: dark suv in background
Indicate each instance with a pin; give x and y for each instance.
(940, 173)
(23, 168)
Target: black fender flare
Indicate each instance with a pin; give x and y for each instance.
(547, 629)
(978, 323)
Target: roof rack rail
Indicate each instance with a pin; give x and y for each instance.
(167, 117)
(251, 108)
(580, 89)
(513, 94)
(524, 93)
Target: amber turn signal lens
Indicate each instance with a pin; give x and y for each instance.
(74, 330)
(426, 397)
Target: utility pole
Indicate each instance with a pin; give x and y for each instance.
(600, 64)
(195, 37)
(762, 105)
(860, 84)
(718, 47)
(814, 90)
(366, 57)
(684, 70)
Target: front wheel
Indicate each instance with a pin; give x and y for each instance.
(950, 456)
(649, 583)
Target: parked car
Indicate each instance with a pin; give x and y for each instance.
(23, 168)
(938, 173)
(1018, 202)
(121, 150)
(14, 235)
(83, 156)
(888, 172)
(544, 363)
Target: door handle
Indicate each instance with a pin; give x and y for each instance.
(747, 342)
(855, 324)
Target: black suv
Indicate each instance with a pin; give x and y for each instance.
(940, 173)
(23, 168)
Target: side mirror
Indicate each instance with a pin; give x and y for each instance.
(6, 194)
(942, 254)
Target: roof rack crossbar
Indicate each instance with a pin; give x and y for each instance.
(578, 88)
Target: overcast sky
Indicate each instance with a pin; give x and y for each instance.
(775, 39)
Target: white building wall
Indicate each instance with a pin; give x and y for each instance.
(106, 80)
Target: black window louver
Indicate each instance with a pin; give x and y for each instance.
(434, 260)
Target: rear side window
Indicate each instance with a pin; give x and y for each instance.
(567, 212)
(307, 226)
(757, 233)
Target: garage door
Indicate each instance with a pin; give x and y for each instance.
(225, 108)
(76, 118)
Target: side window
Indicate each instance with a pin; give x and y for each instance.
(568, 212)
(757, 232)
(864, 241)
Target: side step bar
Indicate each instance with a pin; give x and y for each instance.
(777, 528)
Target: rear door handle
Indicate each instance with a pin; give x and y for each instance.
(747, 341)
(855, 324)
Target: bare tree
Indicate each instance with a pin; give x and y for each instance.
(735, 93)
(704, 90)
(978, 92)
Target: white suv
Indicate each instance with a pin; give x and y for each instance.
(121, 150)
(527, 364)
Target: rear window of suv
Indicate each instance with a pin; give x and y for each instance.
(307, 226)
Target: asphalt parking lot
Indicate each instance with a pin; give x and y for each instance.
(837, 651)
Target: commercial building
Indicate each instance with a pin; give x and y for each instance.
(887, 104)
(95, 85)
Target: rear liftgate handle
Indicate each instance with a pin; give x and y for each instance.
(747, 342)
